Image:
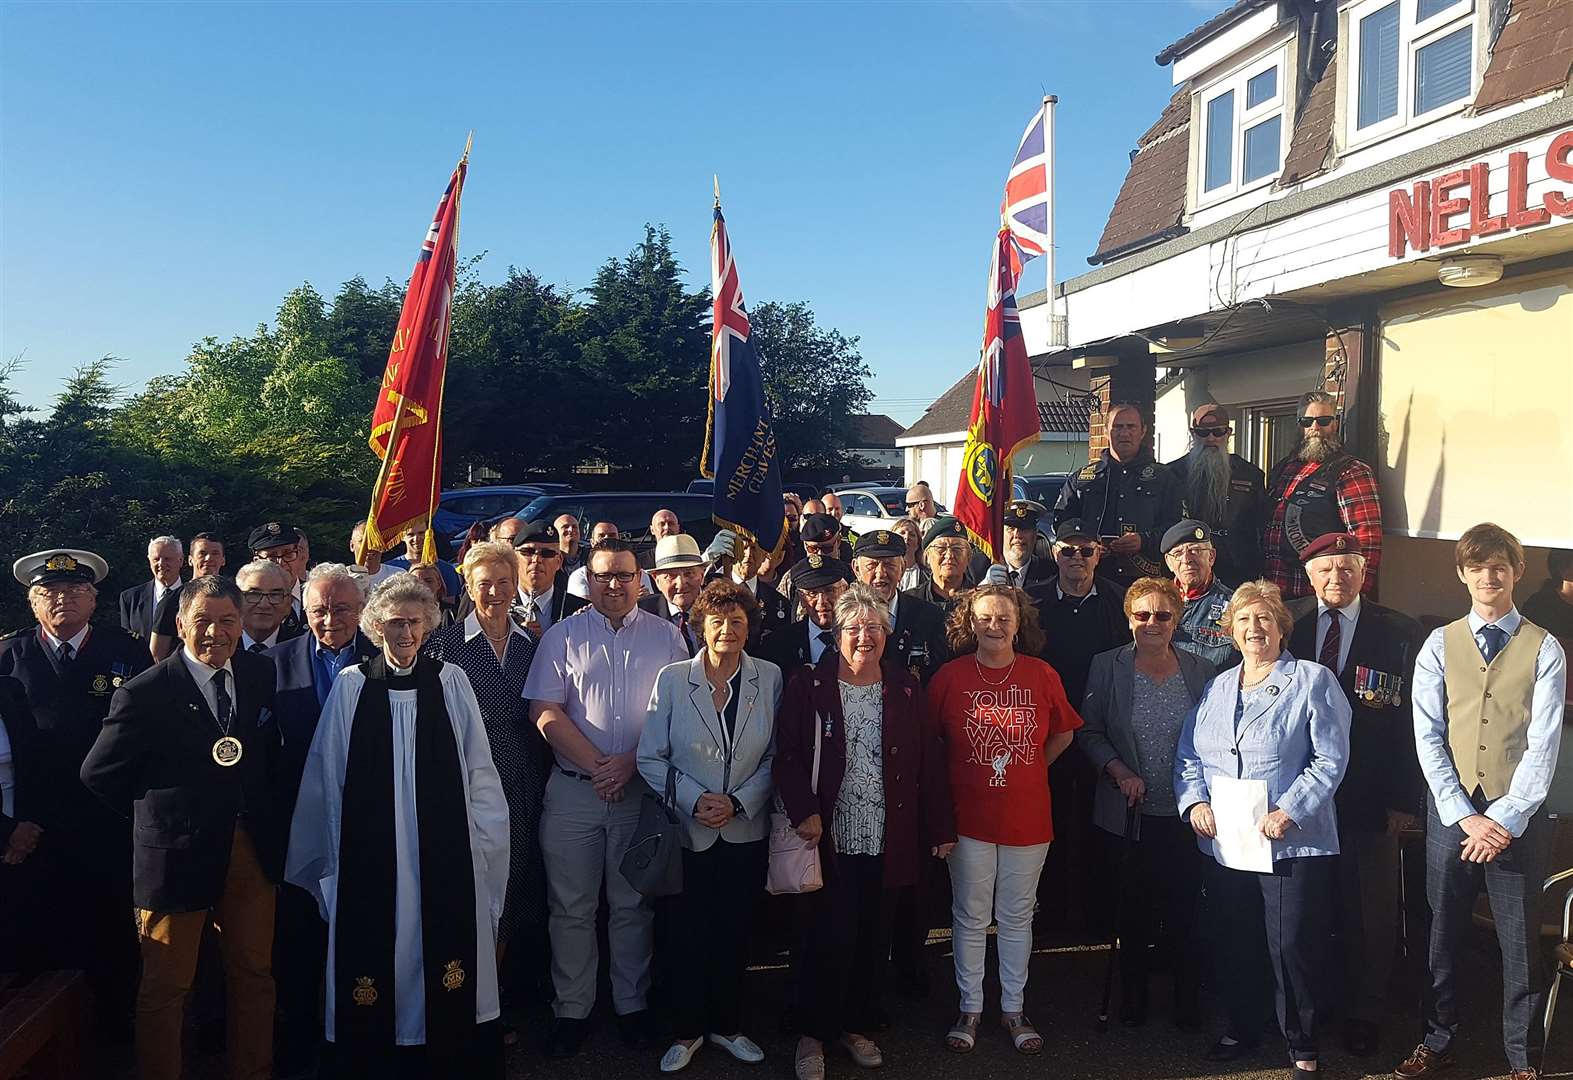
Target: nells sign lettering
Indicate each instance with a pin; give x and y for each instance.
(1455, 207)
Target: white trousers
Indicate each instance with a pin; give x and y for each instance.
(998, 882)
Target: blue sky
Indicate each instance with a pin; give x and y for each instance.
(168, 172)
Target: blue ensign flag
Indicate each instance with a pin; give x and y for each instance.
(740, 441)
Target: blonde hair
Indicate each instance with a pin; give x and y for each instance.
(499, 552)
(1251, 593)
(1142, 588)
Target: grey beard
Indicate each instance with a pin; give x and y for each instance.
(1207, 476)
(1317, 447)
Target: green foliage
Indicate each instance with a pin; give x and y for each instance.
(815, 379)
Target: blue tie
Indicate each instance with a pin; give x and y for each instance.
(1495, 638)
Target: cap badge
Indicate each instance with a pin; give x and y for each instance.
(882, 536)
(62, 561)
(816, 561)
(274, 528)
(1198, 534)
(1340, 543)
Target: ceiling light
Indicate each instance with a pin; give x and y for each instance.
(1468, 271)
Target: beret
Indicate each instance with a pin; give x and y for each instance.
(1332, 544)
(536, 532)
(945, 526)
(1185, 531)
(819, 528)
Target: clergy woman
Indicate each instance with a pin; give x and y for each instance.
(401, 833)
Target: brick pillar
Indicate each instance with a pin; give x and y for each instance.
(1097, 434)
(1131, 380)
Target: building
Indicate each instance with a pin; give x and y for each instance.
(935, 444)
(875, 446)
(1373, 197)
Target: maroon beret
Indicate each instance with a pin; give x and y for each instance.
(1331, 544)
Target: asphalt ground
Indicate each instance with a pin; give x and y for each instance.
(1063, 994)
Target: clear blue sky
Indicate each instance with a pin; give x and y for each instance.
(168, 172)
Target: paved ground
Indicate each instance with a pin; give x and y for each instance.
(1062, 999)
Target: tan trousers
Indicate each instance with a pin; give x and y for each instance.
(170, 941)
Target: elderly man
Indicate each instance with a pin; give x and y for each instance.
(679, 576)
(1127, 497)
(664, 523)
(1021, 544)
(207, 560)
(280, 544)
(568, 539)
(579, 580)
(189, 751)
(1319, 489)
(917, 638)
(820, 583)
(947, 553)
(588, 689)
(165, 558)
(264, 602)
(1188, 549)
(372, 570)
(306, 669)
(68, 671)
(1225, 491)
(1372, 650)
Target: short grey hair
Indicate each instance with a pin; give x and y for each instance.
(393, 593)
(329, 574)
(490, 551)
(263, 566)
(159, 542)
(1315, 397)
(213, 586)
(859, 598)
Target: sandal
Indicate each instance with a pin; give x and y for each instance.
(863, 1051)
(1022, 1034)
(963, 1034)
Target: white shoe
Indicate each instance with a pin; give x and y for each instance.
(741, 1047)
(679, 1054)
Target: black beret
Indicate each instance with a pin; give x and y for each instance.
(817, 571)
(271, 535)
(819, 528)
(880, 544)
(536, 532)
(1185, 531)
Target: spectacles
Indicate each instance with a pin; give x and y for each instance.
(77, 588)
(950, 551)
(538, 553)
(1215, 432)
(622, 577)
(338, 611)
(1319, 421)
(253, 596)
(1086, 551)
(1155, 616)
(864, 630)
(1189, 551)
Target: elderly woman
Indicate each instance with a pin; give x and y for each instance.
(1138, 697)
(1005, 719)
(711, 732)
(1283, 724)
(412, 900)
(876, 803)
(430, 575)
(494, 650)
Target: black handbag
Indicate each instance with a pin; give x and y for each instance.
(653, 863)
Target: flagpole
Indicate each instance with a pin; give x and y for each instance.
(1049, 101)
(429, 543)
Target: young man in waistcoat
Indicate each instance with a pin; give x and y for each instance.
(1488, 699)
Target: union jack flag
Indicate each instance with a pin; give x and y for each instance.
(1025, 207)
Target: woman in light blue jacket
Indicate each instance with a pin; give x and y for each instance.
(712, 726)
(1285, 722)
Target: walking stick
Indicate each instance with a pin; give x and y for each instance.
(1133, 820)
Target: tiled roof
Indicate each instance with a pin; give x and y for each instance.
(952, 409)
(1533, 54)
(1310, 147)
(1151, 202)
(1221, 21)
(876, 430)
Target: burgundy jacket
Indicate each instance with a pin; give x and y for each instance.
(918, 810)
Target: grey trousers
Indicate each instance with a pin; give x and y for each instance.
(582, 842)
(1366, 898)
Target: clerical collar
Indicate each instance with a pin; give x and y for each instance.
(396, 670)
(75, 641)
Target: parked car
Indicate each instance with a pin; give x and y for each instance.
(460, 508)
(701, 486)
(869, 508)
(630, 511)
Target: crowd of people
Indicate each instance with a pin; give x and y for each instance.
(382, 799)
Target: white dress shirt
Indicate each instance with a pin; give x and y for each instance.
(1532, 778)
(1350, 613)
(75, 641)
(203, 676)
(247, 641)
(160, 589)
(543, 606)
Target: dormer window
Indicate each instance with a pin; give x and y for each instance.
(1411, 61)
(1243, 129)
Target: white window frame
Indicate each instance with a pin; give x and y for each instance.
(1243, 119)
(1412, 37)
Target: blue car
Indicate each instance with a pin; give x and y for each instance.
(457, 510)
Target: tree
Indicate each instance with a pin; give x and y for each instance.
(815, 379)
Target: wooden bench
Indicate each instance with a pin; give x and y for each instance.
(41, 1025)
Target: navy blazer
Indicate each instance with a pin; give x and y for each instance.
(1294, 735)
(136, 609)
(296, 707)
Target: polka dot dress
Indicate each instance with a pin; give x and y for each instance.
(522, 758)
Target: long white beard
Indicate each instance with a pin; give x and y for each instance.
(1318, 447)
(1207, 476)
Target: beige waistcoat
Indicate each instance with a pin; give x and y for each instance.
(1488, 705)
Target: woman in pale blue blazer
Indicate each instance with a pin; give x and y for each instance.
(1284, 721)
(712, 727)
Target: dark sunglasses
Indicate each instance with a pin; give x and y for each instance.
(1086, 551)
(1215, 432)
(1319, 421)
(539, 552)
(1158, 616)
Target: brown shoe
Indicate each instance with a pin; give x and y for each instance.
(1423, 1062)
(1524, 1074)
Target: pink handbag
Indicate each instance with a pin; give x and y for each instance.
(794, 862)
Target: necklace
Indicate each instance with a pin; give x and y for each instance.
(995, 682)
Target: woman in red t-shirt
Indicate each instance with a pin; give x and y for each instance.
(1005, 718)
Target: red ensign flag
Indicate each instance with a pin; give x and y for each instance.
(406, 423)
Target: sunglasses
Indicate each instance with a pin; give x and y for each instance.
(1156, 616)
(1319, 421)
(1215, 432)
(539, 553)
(1086, 551)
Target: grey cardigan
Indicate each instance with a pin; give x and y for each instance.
(1106, 722)
(683, 728)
